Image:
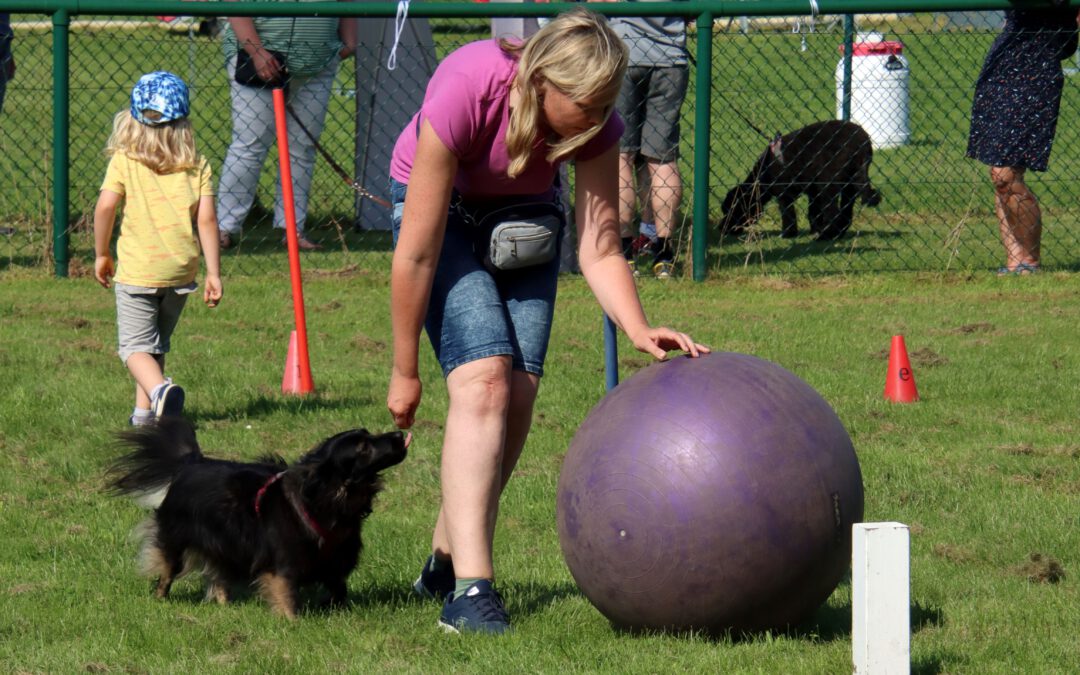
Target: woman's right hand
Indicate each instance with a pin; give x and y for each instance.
(403, 399)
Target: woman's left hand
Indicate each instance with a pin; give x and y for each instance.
(660, 340)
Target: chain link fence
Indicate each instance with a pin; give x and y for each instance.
(769, 76)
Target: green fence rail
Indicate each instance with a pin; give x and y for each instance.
(766, 63)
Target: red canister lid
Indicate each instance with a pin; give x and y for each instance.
(882, 48)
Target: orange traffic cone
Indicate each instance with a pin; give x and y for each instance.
(293, 381)
(900, 381)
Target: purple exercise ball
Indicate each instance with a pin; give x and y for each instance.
(713, 494)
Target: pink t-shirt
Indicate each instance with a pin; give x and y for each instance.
(467, 104)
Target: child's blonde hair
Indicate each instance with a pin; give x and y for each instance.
(165, 148)
(580, 55)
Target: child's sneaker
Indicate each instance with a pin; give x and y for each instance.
(169, 401)
(141, 420)
(434, 584)
(663, 269)
(478, 610)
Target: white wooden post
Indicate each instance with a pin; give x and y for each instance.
(881, 598)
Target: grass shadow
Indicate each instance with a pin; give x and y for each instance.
(533, 597)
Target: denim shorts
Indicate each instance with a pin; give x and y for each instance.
(146, 317)
(473, 313)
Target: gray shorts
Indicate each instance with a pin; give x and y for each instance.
(146, 317)
(649, 103)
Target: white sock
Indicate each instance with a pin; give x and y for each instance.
(141, 412)
(156, 391)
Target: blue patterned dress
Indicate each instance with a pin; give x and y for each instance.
(1018, 94)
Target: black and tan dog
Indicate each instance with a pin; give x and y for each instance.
(276, 525)
(829, 161)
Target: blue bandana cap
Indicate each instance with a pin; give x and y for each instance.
(163, 92)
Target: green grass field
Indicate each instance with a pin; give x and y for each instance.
(984, 469)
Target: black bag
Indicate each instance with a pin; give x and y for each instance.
(247, 75)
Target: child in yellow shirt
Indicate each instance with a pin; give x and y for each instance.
(165, 187)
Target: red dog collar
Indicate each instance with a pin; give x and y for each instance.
(299, 508)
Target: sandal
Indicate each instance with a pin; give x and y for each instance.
(1020, 270)
(303, 243)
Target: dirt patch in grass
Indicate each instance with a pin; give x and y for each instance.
(968, 328)
(347, 272)
(955, 554)
(1041, 569)
(368, 344)
(927, 358)
(923, 357)
(1029, 450)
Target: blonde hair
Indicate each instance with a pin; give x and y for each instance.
(580, 55)
(166, 148)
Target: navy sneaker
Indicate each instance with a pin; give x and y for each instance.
(478, 610)
(169, 401)
(434, 584)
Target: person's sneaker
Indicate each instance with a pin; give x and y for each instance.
(663, 269)
(633, 267)
(169, 401)
(141, 420)
(478, 610)
(434, 584)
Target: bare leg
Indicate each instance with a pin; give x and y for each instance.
(627, 195)
(523, 390)
(666, 195)
(1019, 217)
(644, 190)
(147, 369)
(472, 456)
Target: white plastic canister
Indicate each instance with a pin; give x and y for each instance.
(879, 90)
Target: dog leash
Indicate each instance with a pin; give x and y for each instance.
(744, 118)
(354, 184)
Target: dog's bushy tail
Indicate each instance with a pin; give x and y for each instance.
(158, 452)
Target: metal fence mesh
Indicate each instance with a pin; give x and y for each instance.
(777, 75)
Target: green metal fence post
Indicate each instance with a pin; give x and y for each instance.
(702, 117)
(61, 132)
(849, 41)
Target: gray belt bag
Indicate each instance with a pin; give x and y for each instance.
(517, 235)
